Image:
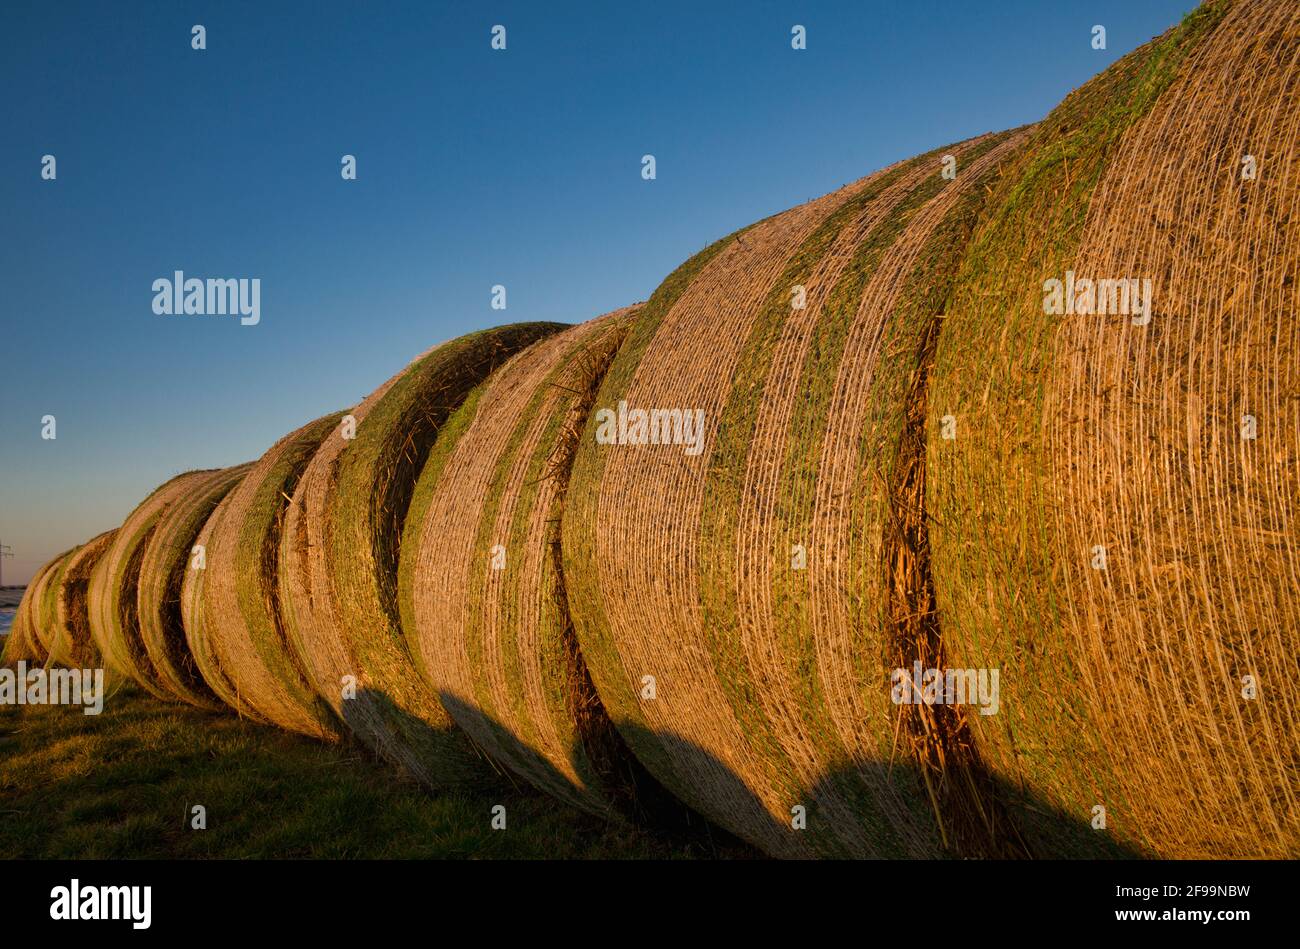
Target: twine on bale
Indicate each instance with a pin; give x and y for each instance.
(1203, 547)
(168, 555)
(481, 596)
(231, 609)
(45, 607)
(339, 556)
(73, 645)
(1100, 530)
(23, 643)
(600, 559)
(201, 636)
(1174, 444)
(114, 582)
(770, 676)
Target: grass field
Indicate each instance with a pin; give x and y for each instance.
(122, 785)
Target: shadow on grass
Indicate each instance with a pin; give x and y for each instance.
(124, 784)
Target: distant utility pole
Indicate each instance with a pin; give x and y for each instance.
(5, 551)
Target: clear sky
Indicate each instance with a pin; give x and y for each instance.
(474, 167)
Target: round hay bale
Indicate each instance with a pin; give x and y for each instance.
(23, 643)
(1118, 520)
(480, 587)
(339, 553)
(231, 609)
(114, 582)
(169, 554)
(45, 606)
(1204, 549)
(72, 644)
(730, 591)
(1111, 530)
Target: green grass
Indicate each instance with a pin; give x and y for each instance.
(121, 785)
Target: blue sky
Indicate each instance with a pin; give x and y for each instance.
(474, 167)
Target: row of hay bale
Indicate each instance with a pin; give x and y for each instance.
(872, 446)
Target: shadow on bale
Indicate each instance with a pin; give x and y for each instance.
(792, 841)
(637, 797)
(656, 811)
